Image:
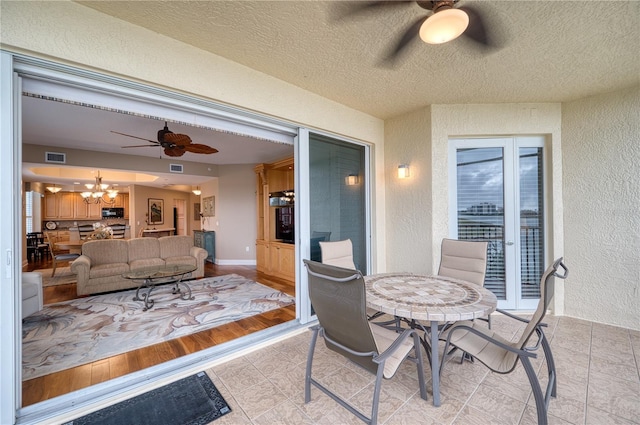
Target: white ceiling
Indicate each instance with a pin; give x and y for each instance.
(545, 51)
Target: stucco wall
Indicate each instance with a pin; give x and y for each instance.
(409, 201)
(601, 147)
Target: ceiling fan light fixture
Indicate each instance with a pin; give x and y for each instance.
(444, 26)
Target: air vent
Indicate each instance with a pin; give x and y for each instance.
(175, 168)
(57, 157)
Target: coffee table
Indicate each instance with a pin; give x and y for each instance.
(149, 277)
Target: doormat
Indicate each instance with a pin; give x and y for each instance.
(194, 400)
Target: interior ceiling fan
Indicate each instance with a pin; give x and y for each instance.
(173, 144)
(446, 22)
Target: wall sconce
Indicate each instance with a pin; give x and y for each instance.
(197, 191)
(54, 189)
(351, 179)
(403, 171)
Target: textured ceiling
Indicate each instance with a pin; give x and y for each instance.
(547, 51)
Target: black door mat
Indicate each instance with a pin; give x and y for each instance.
(194, 400)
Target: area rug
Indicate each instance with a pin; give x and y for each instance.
(80, 331)
(194, 400)
(63, 276)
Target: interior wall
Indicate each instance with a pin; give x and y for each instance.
(601, 146)
(236, 213)
(140, 196)
(409, 201)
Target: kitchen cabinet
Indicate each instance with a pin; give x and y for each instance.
(206, 240)
(84, 211)
(59, 205)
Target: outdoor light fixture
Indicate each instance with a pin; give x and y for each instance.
(351, 179)
(96, 192)
(444, 25)
(54, 189)
(197, 191)
(403, 171)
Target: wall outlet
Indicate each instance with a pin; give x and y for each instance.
(247, 249)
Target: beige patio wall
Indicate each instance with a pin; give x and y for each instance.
(421, 138)
(601, 148)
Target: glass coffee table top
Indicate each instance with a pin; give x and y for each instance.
(158, 272)
(149, 277)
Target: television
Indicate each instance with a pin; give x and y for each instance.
(285, 224)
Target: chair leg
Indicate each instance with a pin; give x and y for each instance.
(53, 272)
(537, 391)
(551, 368)
(376, 395)
(307, 377)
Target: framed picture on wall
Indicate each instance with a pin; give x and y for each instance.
(209, 206)
(156, 211)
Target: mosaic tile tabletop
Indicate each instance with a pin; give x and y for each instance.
(432, 298)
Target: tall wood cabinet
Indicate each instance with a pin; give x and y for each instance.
(273, 257)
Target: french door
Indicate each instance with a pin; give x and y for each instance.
(497, 196)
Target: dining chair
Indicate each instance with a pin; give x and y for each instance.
(117, 231)
(464, 260)
(338, 297)
(501, 355)
(57, 256)
(85, 230)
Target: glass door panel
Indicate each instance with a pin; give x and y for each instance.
(498, 197)
(337, 196)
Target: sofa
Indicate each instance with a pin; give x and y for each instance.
(102, 263)
(31, 293)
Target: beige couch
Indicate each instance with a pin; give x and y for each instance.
(102, 262)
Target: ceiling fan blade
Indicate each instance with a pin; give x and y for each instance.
(135, 137)
(476, 30)
(140, 146)
(199, 148)
(409, 35)
(175, 151)
(177, 139)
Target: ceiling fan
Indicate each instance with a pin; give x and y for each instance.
(445, 23)
(174, 144)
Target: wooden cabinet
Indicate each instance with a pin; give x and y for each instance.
(282, 260)
(59, 205)
(262, 256)
(273, 257)
(71, 206)
(206, 240)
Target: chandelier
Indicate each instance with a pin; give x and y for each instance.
(96, 192)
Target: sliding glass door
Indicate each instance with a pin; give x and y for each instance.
(337, 196)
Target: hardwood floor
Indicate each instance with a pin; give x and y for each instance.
(53, 385)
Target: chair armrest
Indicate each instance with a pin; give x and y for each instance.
(513, 316)
(489, 339)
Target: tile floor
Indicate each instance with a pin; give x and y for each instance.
(597, 366)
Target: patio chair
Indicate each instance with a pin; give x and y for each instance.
(464, 260)
(501, 355)
(57, 256)
(338, 297)
(338, 253)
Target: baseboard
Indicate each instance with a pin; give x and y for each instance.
(235, 262)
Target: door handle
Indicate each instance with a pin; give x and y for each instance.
(509, 243)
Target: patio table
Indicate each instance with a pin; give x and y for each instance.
(433, 299)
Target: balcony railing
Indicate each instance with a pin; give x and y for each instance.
(531, 256)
